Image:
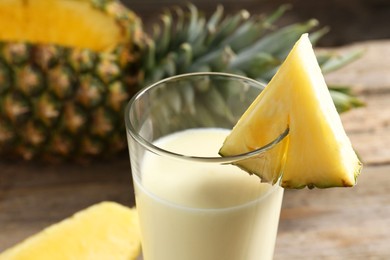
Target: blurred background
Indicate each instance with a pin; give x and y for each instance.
(349, 20)
(344, 223)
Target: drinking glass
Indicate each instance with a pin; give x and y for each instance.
(191, 206)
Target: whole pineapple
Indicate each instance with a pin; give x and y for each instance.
(68, 67)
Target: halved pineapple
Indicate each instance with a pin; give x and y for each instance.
(67, 68)
(318, 152)
(103, 231)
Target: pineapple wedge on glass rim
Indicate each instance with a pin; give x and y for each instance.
(317, 151)
(66, 74)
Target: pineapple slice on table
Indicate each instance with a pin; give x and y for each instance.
(316, 152)
(103, 231)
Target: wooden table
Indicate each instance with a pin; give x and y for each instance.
(339, 223)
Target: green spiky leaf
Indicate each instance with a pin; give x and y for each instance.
(251, 45)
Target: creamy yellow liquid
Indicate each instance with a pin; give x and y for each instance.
(198, 211)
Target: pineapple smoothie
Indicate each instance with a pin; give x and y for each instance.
(191, 210)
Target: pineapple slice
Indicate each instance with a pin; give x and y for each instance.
(317, 151)
(71, 23)
(104, 231)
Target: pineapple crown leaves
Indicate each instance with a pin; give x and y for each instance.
(184, 40)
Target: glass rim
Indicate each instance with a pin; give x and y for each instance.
(162, 152)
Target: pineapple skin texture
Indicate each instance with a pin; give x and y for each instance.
(103, 231)
(317, 151)
(59, 102)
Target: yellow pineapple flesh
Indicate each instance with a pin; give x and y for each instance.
(103, 231)
(71, 23)
(318, 153)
